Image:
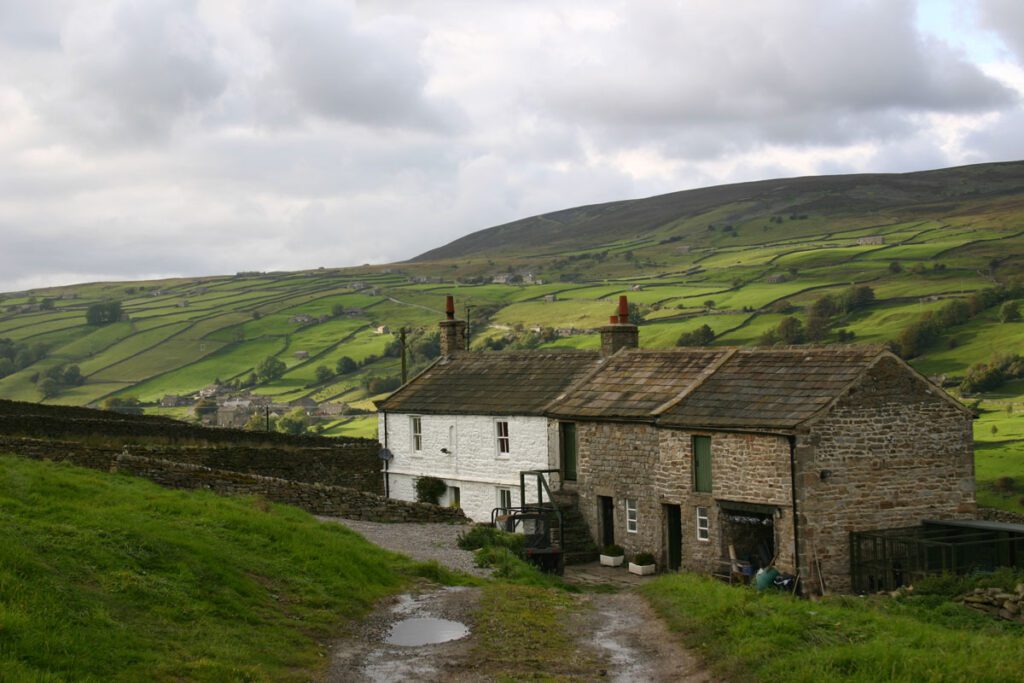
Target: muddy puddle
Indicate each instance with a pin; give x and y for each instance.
(425, 631)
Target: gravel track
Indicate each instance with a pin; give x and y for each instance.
(425, 542)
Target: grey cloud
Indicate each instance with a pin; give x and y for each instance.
(368, 72)
(1006, 18)
(138, 67)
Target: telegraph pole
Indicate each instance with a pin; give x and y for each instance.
(401, 337)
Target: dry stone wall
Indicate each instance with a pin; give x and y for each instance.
(314, 498)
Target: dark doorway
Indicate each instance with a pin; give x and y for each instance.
(751, 534)
(606, 517)
(674, 536)
(568, 437)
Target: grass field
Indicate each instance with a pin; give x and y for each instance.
(106, 577)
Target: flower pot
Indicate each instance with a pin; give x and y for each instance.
(641, 569)
(612, 560)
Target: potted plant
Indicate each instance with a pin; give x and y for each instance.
(642, 564)
(612, 556)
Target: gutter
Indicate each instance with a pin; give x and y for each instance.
(387, 477)
(796, 519)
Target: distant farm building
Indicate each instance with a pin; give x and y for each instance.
(872, 239)
(776, 278)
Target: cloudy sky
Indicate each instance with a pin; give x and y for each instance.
(145, 138)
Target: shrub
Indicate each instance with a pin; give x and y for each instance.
(430, 489)
(643, 558)
(702, 336)
(487, 536)
(613, 550)
(1009, 312)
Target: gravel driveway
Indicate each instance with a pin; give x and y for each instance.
(419, 541)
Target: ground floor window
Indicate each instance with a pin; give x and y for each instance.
(703, 525)
(454, 497)
(505, 498)
(631, 517)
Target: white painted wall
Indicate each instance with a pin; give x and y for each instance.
(474, 464)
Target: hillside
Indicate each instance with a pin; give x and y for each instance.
(740, 259)
(106, 577)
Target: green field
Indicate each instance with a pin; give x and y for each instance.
(106, 577)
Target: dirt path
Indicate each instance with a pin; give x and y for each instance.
(618, 638)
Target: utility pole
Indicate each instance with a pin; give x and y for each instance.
(469, 332)
(401, 337)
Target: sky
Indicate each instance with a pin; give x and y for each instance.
(160, 138)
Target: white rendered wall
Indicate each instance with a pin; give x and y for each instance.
(473, 464)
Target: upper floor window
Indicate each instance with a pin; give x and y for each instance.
(417, 434)
(631, 516)
(702, 464)
(501, 429)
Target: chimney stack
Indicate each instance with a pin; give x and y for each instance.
(453, 332)
(619, 333)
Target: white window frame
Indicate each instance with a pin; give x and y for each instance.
(416, 435)
(703, 524)
(631, 516)
(502, 440)
(504, 497)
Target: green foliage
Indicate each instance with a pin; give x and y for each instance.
(488, 536)
(702, 336)
(430, 489)
(108, 577)
(103, 313)
(294, 422)
(323, 374)
(613, 550)
(992, 375)
(1009, 312)
(270, 368)
(16, 355)
(346, 366)
(643, 559)
(745, 635)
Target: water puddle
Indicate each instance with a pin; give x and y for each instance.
(425, 631)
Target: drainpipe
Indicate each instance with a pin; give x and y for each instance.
(792, 485)
(387, 477)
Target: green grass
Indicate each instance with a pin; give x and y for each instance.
(748, 636)
(107, 578)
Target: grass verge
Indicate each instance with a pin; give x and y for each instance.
(749, 636)
(108, 578)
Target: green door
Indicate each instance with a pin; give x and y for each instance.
(568, 430)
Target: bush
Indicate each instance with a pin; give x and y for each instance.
(487, 536)
(430, 489)
(613, 550)
(1009, 312)
(702, 336)
(643, 558)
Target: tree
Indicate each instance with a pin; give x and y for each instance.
(48, 387)
(295, 422)
(709, 304)
(817, 328)
(824, 307)
(323, 373)
(702, 336)
(346, 365)
(6, 366)
(634, 314)
(270, 368)
(1009, 312)
(790, 330)
(103, 313)
(856, 298)
(205, 407)
(337, 310)
(72, 376)
(895, 267)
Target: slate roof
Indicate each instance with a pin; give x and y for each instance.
(492, 383)
(634, 383)
(770, 388)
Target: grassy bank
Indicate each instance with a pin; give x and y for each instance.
(752, 637)
(114, 578)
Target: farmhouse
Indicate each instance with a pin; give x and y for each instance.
(871, 240)
(705, 457)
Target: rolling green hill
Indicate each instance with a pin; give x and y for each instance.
(740, 259)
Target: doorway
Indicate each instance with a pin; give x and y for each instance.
(674, 536)
(606, 519)
(568, 438)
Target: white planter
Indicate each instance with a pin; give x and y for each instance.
(612, 560)
(641, 569)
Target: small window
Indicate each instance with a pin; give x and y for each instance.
(631, 515)
(454, 497)
(702, 464)
(703, 525)
(501, 427)
(505, 498)
(417, 435)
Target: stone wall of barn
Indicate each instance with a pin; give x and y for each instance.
(892, 452)
(745, 468)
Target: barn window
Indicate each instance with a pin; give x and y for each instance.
(703, 525)
(417, 434)
(702, 464)
(631, 517)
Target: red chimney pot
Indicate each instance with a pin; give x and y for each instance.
(449, 307)
(623, 310)
(613, 320)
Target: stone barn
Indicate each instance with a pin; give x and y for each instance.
(764, 455)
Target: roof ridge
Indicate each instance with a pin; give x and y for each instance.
(703, 377)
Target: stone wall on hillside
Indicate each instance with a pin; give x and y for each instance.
(315, 498)
(350, 464)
